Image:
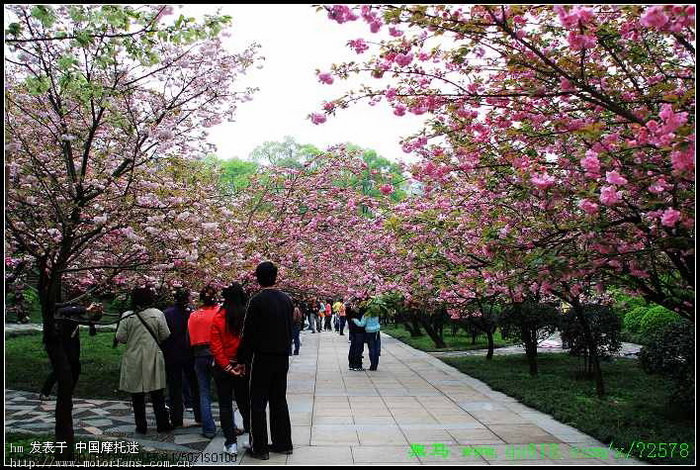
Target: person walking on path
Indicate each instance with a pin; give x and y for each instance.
(372, 338)
(297, 325)
(267, 333)
(339, 309)
(357, 339)
(143, 330)
(230, 374)
(179, 363)
(199, 328)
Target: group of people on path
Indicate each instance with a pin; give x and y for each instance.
(242, 344)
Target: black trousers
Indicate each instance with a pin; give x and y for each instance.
(175, 371)
(228, 388)
(268, 383)
(138, 400)
(357, 347)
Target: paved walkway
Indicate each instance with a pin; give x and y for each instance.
(549, 345)
(414, 410)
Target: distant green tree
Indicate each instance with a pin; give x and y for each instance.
(288, 153)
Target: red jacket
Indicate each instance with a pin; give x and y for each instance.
(199, 325)
(224, 345)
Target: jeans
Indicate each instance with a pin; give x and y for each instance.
(374, 346)
(342, 325)
(295, 339)
(202, 366)
(312, 322)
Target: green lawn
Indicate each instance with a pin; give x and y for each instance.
(635, 409)
(460, 342)
(27, 365)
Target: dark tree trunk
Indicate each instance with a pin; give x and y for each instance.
(54, 342)
(593, 359)
(412, 330)
(489, 339)
(433, 333)
(531, 353)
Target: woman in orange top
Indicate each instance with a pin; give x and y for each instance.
(229, 375)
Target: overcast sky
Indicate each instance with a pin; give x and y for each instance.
(296, 40)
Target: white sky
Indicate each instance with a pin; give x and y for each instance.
(296, 40)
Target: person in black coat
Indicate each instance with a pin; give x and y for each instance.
(267, 334)
(179, 363)
(357, 338)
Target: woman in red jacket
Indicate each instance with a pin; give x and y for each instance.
(231, 377)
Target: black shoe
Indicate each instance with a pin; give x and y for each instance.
(178, 424)
(372, 368)
(256, 455)
(141, 431)
(166, 428)
(281, 451)
(296, 353)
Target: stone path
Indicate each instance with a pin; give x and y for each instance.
(414, 410)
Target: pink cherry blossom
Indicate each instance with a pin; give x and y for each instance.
(318, 118)
(654, 17)
(609, 196)
(326, 78)
(613, 177)
(588, 207)
(670, 217)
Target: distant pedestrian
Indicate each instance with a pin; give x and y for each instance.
(357, 339)
(267, 333)
(372, 337)
(297, 325)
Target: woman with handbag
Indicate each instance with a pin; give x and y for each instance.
(143, 365)
(230, 376)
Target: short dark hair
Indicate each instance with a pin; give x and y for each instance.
(142, 297)
(266, 272)
(182, 295)
(208, 295)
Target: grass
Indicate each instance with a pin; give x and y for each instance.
(24, 441)
(27, 365)
(635, 409)
(460, 342)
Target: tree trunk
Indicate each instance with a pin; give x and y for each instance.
(489, 339)
(54, 342)
(531, 353)
(411, 329)
(433, 333)
(593, 359)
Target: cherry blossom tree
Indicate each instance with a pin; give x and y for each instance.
(100, 100)
(571, 128)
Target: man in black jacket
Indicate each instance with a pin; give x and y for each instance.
(267, 333)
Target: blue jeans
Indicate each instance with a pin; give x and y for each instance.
(202, 366)
(374, 346)
(295, 339)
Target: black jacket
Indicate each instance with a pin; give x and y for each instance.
(268, 325)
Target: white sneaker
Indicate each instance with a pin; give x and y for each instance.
(231, 449)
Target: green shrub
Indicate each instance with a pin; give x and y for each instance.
(671, 353)
(633, 320)
(656, 319)
(605, 327)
